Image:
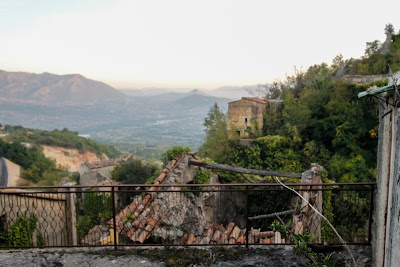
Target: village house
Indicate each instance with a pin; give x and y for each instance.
(246, 115)
(99, 173)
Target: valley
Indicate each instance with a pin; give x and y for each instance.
(145, 122)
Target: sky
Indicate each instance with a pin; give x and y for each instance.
(186, 43)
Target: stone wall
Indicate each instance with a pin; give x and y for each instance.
(99, 173)
(245, 113)
(365, 79)
(96, 176)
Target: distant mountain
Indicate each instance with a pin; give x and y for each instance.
(143, 92)
(233, 92)
(195, 99)
(53, 89)
(229, 92)
(156, 120)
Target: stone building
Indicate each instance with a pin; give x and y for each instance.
(174, 215)
(99, 173)
(246, 116)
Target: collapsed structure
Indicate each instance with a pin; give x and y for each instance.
(170, 215)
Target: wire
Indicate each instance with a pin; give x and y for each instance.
(320, 214)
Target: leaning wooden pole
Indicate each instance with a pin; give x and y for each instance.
(227, 168)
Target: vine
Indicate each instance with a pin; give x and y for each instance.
(21, 233)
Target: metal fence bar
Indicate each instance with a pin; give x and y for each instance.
(176, 215)
(371, 206)
(247, 217)
(114, 215)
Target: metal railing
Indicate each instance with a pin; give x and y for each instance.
(182, 215)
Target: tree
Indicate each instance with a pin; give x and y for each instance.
(217, 145)
(372, 48)
(389, 29)
(131, 172)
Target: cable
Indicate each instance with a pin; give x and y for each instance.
(320, 214)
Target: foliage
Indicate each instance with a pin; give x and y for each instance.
(174, 151)
(270, 152)
(284, 229)
(320, 120)
(327, 232)
(301, 245)
(322, 260)
(131, 172)
(20, 233)
(61, 138)
(94, 209)
(75, 177)
(83, 224)
(301, 242)
(217, 145)
(261, 202)
(375, 60)
(35, 165)
(202, 176)
(351, 211)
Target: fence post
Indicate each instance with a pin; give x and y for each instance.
(71, 217)
(308, 220)
(114, 217)
(247, 216)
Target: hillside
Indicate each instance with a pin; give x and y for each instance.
(155, 122)
(70, 159)
(51, 89)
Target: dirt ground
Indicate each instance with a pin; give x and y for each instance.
(70, 159)
(216, 257)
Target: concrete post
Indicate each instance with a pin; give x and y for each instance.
(386, 220)
(392, 244)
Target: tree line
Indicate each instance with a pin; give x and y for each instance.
(319, 118)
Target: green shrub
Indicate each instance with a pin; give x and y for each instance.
(174, 151)
(20, 233)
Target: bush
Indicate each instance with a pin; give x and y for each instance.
(174, 151)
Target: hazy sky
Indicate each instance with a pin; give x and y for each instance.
(186, 43)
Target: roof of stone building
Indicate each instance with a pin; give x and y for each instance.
(146, 221)
(141, 209)
(106, 163)
(254, 99)
(143, 218)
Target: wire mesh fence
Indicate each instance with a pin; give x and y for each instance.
(185, 215)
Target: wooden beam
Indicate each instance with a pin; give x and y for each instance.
(272, 215)
(227, 168)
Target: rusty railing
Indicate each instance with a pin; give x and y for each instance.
(182, 215)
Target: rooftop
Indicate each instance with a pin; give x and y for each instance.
(254, 99)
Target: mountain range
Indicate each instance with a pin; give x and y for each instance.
(152, 117)
(55, 89)
(230, 92)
